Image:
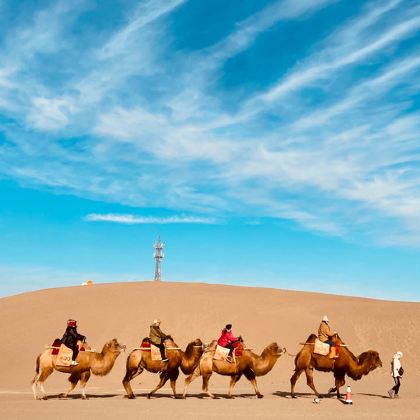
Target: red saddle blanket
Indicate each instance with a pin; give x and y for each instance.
(145, 344)
(57, 344)
(239, 351)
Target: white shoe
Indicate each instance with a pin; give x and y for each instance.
(74, 363)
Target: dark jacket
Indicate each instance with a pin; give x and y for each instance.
(71, 337)
(156, 335)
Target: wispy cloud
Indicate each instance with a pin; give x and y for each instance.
(131, 219)
(146, 13)
(328, 139)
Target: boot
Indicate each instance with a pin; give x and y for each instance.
(333, 354)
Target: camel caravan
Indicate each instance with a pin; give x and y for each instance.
(227, 356)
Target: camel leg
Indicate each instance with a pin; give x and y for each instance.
(189, 379)
(129, 376)
(206, 379)
(310, 380)
(250, 375)
(35, 386)
(173, 377)
(83, 380)
(164, 376)
(73, 379)
(233, 381)
(41, 378)
(293, 381)
(339, 382)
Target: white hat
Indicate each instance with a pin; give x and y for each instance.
(325, 318)
(156, 321)
(399, 354)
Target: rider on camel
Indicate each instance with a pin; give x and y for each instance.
(157, 338)
(71, 338)
(227, 340)
(325, 335)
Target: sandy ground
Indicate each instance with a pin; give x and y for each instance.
(188, 311)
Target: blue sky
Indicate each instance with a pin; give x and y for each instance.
(271, 143)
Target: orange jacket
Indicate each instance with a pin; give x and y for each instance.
(324, 332)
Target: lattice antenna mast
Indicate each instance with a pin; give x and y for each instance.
(158, 257)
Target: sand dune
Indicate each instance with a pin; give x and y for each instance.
(125, 310)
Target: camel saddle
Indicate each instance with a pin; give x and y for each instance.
(63, 353)
(222, 353)
(321, 348)
(154, 350)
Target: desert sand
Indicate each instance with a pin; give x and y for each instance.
(191, 310)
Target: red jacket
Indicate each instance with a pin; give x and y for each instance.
(226, 338)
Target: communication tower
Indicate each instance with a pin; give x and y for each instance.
(158, 257)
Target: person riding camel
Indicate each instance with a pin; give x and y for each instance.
(71, 338)
(157, 338)
(325, 335)
(227, 340)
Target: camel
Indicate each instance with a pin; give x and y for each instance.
(139, 360)
(346, 364)
(249, 364)
(88, 362)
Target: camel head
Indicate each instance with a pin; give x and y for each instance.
(198, 342)
(274, 349)
(114, 346)
(371, 359)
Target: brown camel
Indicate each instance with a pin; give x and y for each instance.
(138, 360)
(248, 364)
(88, 362)
(346, 364)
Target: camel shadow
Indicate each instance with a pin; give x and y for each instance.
(79, 396)
(284, 394)
(155, 396)
(204, 396)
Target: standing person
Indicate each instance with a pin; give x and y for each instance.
(325, 335)
(157, 337)
(71, 337)
(396, 372)
(227, 340)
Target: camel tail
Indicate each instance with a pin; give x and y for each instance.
(36, 369)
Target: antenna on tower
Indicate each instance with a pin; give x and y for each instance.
(158, 257)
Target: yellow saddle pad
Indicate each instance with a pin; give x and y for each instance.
(64, 356)
(321, 348)
(221, 353)
(155, 352)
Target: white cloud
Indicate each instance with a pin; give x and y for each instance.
(50, 114)
(152, 127)
(146, 13)
(131, 219)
